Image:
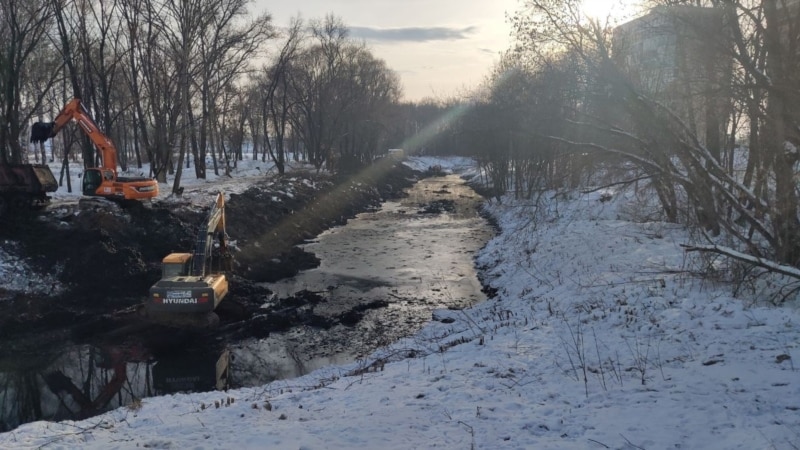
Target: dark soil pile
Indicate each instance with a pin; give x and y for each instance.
(108, 255)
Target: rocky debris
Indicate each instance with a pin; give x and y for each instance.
(296, 310)
(438, 207)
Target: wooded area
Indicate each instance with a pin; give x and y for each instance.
(715, 137)
(187, 84)
(713, 134)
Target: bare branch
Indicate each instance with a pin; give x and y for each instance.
(771, 266)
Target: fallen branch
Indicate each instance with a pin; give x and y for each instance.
(589, 191)
(599, 443)
(771, 266)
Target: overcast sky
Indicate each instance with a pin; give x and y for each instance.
(439, 48)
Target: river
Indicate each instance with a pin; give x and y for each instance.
(389, 270)
(398, 264)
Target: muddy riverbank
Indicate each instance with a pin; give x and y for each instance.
(368, 264)
(105, 257)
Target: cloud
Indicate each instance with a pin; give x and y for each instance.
(412, 34)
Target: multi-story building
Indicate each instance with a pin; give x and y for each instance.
(788, 12)
(677, 55)
(788, 15)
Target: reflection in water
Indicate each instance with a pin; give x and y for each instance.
(195, 371)
(83, 381)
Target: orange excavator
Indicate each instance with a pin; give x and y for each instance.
(97, 181)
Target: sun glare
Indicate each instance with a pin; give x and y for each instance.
(608, 10)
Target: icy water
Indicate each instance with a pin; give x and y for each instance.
(396, 266)
(399, 264)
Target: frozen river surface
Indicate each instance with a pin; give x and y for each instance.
(399, 264)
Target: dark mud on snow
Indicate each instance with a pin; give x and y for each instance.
(109, 255)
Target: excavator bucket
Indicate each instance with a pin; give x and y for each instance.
(41, 131)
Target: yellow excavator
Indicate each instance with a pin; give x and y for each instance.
(192, 285)
(97, 181)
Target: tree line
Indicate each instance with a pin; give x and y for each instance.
(194, 84)
(715, 140)
(184, 84)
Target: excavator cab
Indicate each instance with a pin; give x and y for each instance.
(92, 179)
(176, 265)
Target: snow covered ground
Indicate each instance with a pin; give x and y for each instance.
(241, 176)
(599, 337)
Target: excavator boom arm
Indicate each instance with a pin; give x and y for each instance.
(215, 226)
(74, 110)
(98, 181)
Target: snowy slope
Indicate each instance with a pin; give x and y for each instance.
(600, 337)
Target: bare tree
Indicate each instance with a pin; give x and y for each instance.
(40, 75)
(320, 104)
(683, 161)
(152, 78)
(94, 49)
(24, 25)
(226, 49)
(375, 91)
(276, 97)
(338, 86)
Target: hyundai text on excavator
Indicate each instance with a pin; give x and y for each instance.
(97, 181)
(192, 285)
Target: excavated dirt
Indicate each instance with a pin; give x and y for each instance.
(108, 255)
